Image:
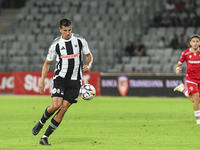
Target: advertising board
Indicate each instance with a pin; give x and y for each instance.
(124, 85)
(27, 82)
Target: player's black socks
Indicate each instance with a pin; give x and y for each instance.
(53, 125)
(45, 117)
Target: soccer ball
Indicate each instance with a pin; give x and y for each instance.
(87, 92)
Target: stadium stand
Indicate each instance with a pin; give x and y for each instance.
(107, 26)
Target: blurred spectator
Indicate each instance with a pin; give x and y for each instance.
(2, 60)
(157, 20)
(129, 49)
(195, 20)
(176, 20)
(12, 3)
(162, 43)
(177, 13)
(186, 21)
(174, 42)
(182, 42)
(140, 49)
(170, 6)
(190, 5)
(166, 21)
(180, 6)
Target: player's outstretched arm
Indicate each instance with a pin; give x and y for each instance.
(89, 59)
(45, 70)
(178, 68)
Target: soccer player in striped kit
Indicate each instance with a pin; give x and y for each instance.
(192, 89)
(68, 50)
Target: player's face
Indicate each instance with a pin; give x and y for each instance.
(66, 32)
(195, 43)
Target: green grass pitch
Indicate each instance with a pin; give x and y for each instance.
(104, 123)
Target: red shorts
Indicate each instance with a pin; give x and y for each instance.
(192, 87)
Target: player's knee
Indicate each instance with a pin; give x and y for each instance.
(191, 98)
(55, 106)
(195, 97)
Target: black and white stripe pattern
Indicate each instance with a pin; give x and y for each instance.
(68, 55)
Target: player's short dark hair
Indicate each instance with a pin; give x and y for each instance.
(65, 22)
(195, 36)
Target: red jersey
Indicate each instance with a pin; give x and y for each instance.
(193, 64)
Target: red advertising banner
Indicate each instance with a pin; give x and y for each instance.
(27, 82)
(6, 82)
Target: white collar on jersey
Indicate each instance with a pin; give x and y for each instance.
(194, 52)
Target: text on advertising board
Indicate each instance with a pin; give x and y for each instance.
(7, 82)
(134, 83)
(32, 83)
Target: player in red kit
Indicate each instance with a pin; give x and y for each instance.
(192, 58)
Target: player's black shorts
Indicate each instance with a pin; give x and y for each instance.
(67, 89)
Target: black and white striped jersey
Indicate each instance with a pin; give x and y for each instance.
(68, 55)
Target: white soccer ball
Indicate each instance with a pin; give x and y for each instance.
(87, 92)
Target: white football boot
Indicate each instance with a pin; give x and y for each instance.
(198, 121)
(179, 88)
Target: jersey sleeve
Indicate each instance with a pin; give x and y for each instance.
(182, 58)
(52, 53)
(85, 48)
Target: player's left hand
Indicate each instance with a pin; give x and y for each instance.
(86, 69)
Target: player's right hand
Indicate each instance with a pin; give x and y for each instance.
(178, 70)
(41, 87)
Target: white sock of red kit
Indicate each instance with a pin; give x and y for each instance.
(185, 91)
(197, 114)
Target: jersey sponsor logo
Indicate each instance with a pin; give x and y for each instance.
(194, 62)
(69, 56)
